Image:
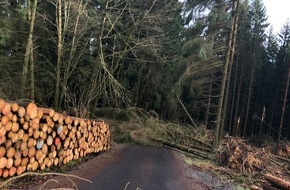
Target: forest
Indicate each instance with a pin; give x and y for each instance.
(213, 63)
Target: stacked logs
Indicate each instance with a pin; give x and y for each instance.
(33, 138)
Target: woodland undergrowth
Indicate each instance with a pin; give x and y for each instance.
(244, 161)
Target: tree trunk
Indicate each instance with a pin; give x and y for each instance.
(273, 112)
(278, 182)
(29, 45)
(283, 112)
(93, 94)
(59, 53)
(207, 113)
(230, 64)
(72, 62)
(237, 104)
(187, 113)
(32, 84)
(231, 127)
(262, 122)
(217, 130)
(248, 102)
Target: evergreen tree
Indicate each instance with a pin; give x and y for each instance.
(257, 28)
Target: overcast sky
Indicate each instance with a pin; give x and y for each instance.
(278, 12)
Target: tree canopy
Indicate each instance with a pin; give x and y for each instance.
(169, 56)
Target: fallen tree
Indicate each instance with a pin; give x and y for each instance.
(277, 182)
(203, 154)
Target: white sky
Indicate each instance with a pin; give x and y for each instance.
(278, 12)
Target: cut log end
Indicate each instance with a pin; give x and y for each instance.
(31, 109)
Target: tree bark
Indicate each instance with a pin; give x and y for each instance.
(230, 63)
(248, 102)
(78, 31)
(218, 128)
(207, 113)
(59, 53)
(262, 122)
(32, 84)
(231, 127)
(29, 46)
(273, 112)
(184, 108)
(283, 111)
(277, 181)
(237, 104)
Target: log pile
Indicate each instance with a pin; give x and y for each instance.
(33, 138)
(237, 154)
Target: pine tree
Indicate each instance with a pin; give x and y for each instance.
(228, 61)
(258, 25)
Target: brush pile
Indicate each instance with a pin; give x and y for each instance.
(237, 154)
(284, 151)
(33, 138)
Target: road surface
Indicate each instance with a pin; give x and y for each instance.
(134, 167)
(140, 167)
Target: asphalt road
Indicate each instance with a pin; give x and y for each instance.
(134, 167)
(139, 167)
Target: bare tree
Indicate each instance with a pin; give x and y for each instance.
(76, 46)
(72, 25)
(28, 57)
(59, 24)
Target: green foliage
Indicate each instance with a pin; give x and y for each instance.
(4, 37)
(124, 54)
(194, 47)
(120, 136)
(115, 114)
